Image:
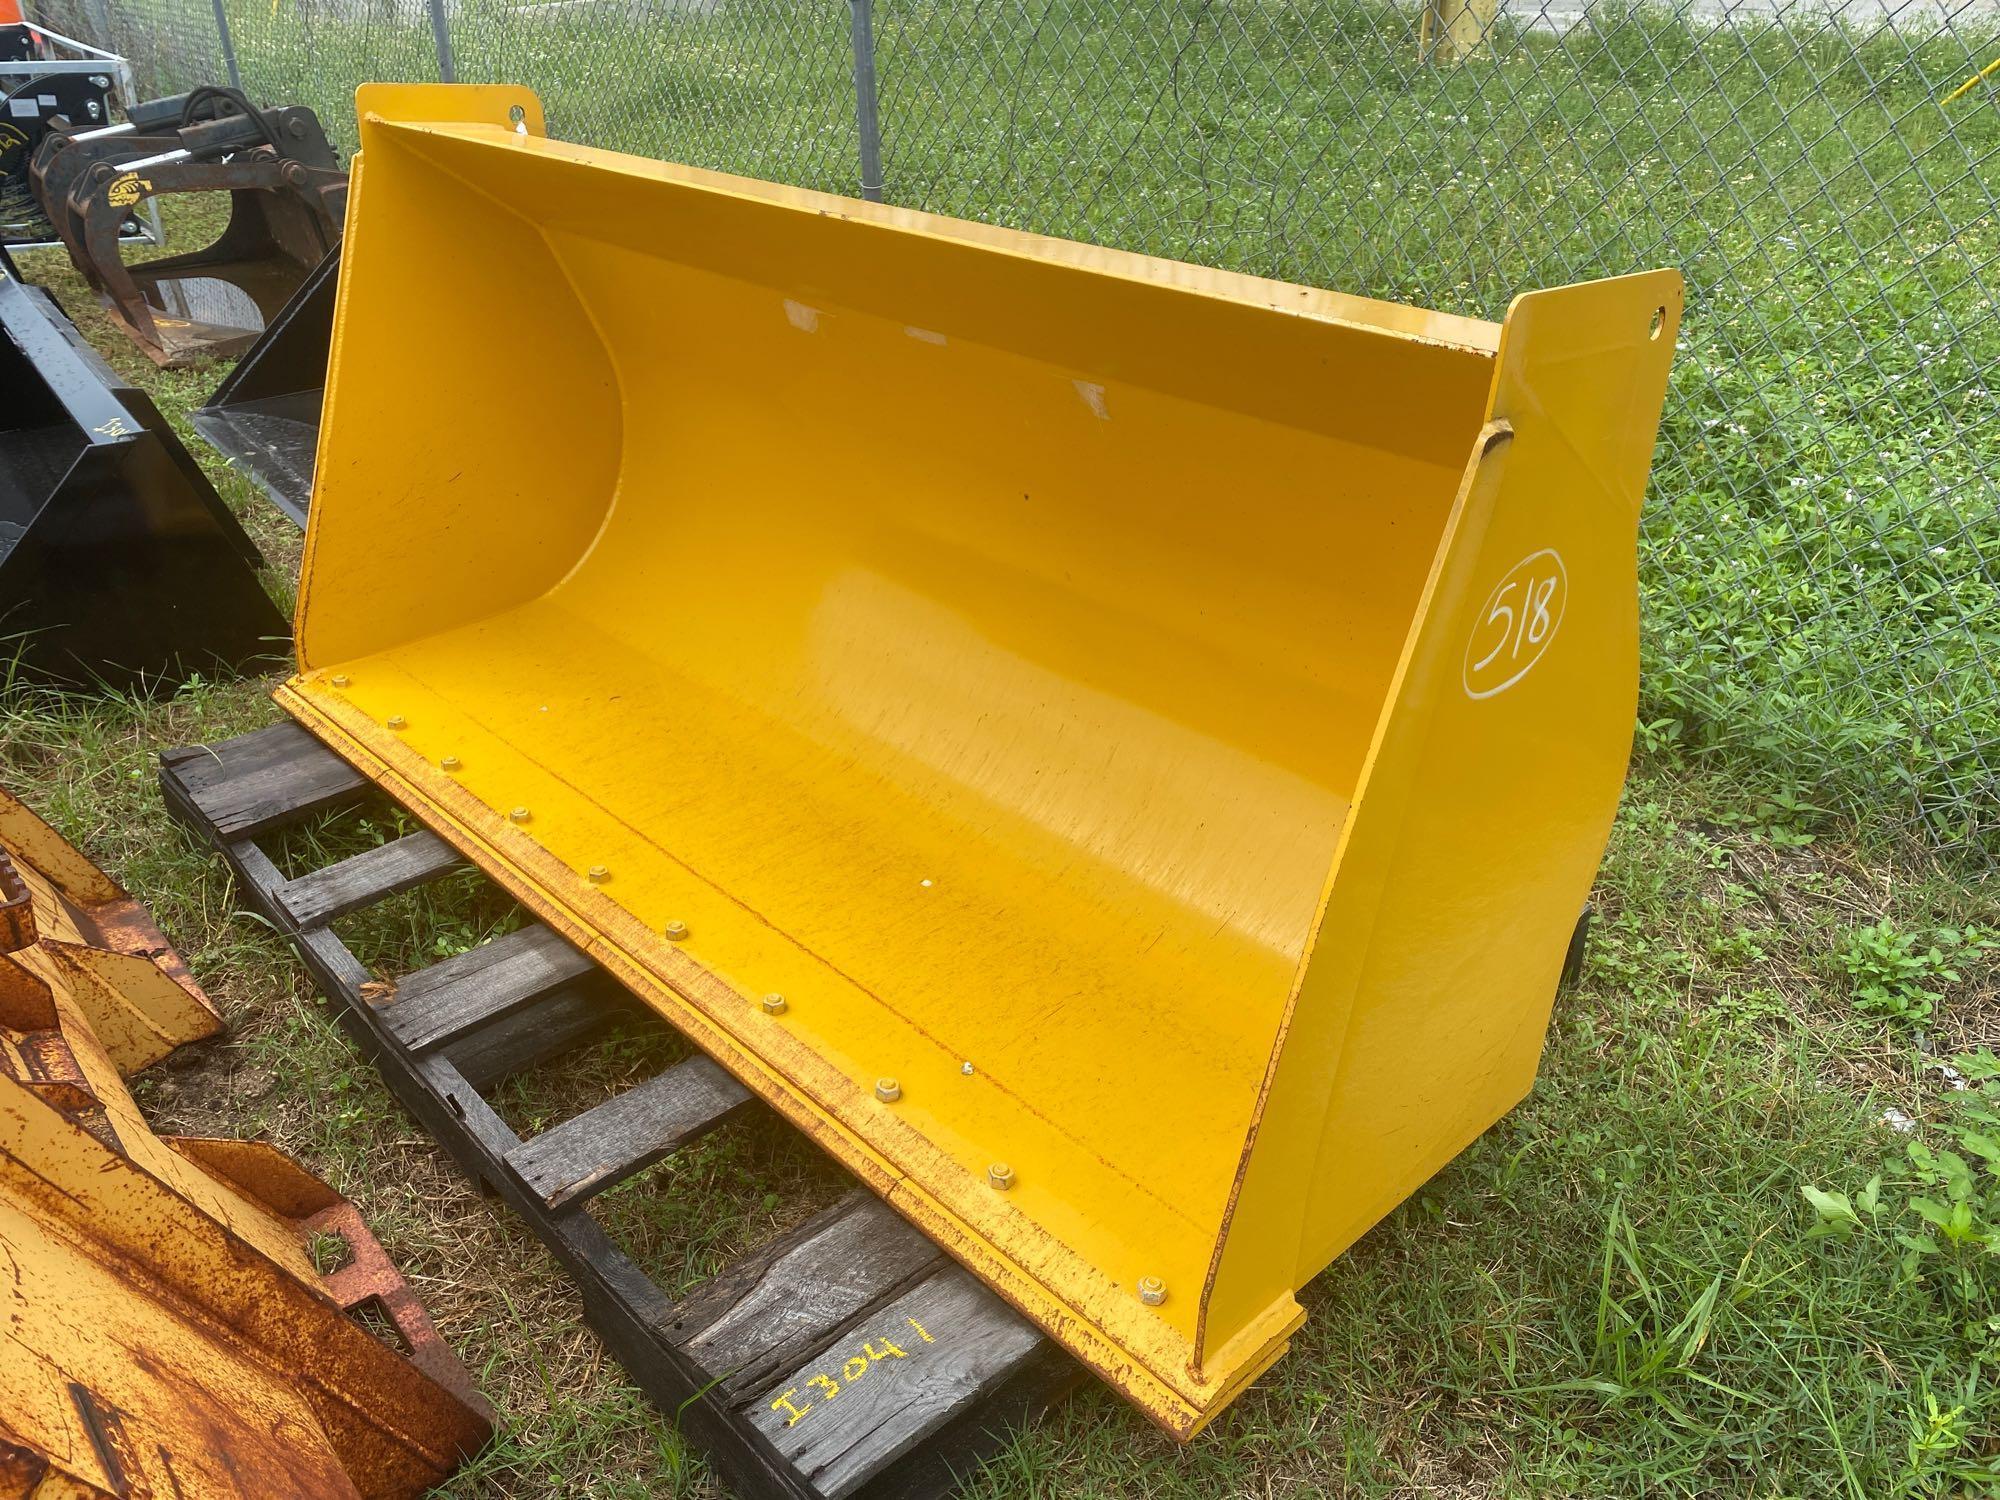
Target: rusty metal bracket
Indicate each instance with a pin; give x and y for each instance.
(17, 909)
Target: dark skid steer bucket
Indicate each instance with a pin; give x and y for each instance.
(1153, 729)
(119, 564)
(264, 417)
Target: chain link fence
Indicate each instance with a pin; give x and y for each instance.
(1822, 568)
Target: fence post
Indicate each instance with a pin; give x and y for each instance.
(1453, 30)
(441, 37)
(228, 46)
(866, 121)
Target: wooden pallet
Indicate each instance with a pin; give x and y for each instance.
(781, 1368)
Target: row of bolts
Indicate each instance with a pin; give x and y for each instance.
(1152, 1290)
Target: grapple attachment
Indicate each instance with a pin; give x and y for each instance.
(287, 196)
(1154, 727)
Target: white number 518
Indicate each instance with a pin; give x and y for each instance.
(1516, 625)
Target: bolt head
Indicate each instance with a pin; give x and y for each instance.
(675, 931)
(397, 721)
(1000, 1175)
(451, 763)
(888, 1090)
(519, 815)
(599, 874)
(1152, 1291)
(966, 1069)
(774, 1005)
(340, 679)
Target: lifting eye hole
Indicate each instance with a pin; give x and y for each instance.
(1659, 322)
(518, 117)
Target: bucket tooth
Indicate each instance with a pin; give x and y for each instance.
(1154, 727)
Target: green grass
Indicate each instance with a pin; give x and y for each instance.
(1624, 1288)
(1822, 568)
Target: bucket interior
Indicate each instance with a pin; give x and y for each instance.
(39, 443)
(976, 649)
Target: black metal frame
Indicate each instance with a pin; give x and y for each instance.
(27, 109)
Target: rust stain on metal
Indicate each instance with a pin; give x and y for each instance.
(167, 1333)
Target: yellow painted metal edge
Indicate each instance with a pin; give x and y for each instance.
(1160, 1379)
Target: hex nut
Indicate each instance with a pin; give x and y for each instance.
(675, 931)
(774, 1005)
(888, 1090)
(1000, 1176)
(1152, 1291)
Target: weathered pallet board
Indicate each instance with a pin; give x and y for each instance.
(403, 864)
(626, 1135)
(848, 1358)
(254, 783)
(448, 1000)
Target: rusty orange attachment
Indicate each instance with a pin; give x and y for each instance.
(166, 1330)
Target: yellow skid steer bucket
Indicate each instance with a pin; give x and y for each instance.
(1113, 749)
